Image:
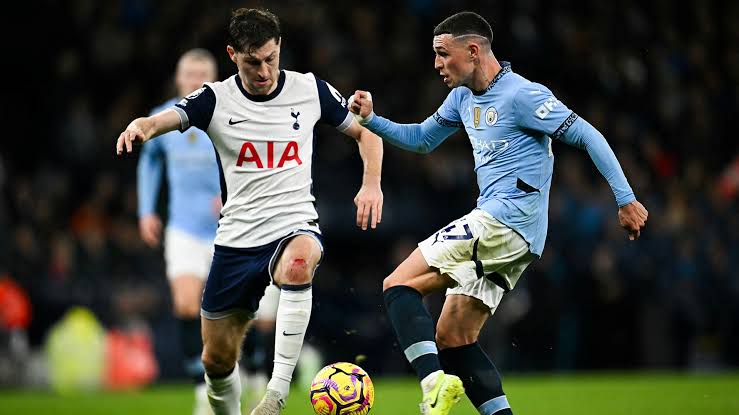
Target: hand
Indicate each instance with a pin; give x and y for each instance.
(369, 203)
(150, 228)
(633, 218)
(132, 134)
(360, 104)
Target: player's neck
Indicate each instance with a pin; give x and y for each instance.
(485, 73)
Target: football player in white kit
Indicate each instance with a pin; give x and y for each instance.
(261, 123)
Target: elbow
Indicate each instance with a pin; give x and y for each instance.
(425, 147)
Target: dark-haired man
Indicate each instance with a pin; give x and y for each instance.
(261, 123)
(510, 122)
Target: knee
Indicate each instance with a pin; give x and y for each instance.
(446, 339)
(297, 272)
(217, 362)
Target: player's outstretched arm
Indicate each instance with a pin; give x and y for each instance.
(418, 138)
(142, 129)
(369, 199)
(537, 109)
(632, 215)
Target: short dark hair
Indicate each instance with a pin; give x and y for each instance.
(465, 23)
(250, 29)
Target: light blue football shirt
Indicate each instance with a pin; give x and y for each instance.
(192, 176)
(510, 126)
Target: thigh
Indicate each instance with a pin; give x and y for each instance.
(461, 320)
(187, 291)
(415, 272)
(301, 251)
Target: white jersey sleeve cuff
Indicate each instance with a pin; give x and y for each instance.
(184, 120)
(346, 123)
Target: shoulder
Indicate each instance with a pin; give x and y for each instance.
(225, 85)
(457, 95)
(529, 94)
(300, 79)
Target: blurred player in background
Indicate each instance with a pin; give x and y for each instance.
(510, 122)
(193, 211)
(261, 123)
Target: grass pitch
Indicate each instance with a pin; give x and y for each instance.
(602, 394)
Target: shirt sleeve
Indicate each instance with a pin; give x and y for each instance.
(583, 135)
(149, 176)
(333, 106)
(536, 108)
(448, 113)
(196, 109)
(419, 138)
(425, 137)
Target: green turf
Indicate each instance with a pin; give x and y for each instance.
(600, 394)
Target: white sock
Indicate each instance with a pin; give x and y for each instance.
(224, 394)
(293, 315)
(429, 382)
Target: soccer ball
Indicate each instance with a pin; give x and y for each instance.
(342, 389)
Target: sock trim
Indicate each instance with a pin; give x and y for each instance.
(419, 349)
(222, 376)
(494, 405)
(300, 287)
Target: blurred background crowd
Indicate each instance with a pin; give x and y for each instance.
(661, 82)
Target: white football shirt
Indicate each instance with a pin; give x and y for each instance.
(264, 146)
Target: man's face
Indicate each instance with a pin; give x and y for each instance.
(192, 74)
(260, 69)
(453, 60)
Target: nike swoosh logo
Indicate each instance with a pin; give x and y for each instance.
(284, 333)
(436, 398)
(232, 122)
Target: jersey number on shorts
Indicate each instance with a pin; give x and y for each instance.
(446, 234)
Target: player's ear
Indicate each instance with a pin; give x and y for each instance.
(231, 53)
(474, 50)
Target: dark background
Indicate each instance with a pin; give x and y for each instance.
(661, 82)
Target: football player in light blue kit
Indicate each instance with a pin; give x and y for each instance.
(510, 122)
(194, 203)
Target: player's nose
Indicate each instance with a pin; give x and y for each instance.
(438, 63)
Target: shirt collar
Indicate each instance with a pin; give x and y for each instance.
(262, 98)
(505, 67)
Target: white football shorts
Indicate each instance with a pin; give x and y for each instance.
(484, 256)
(186, 254)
